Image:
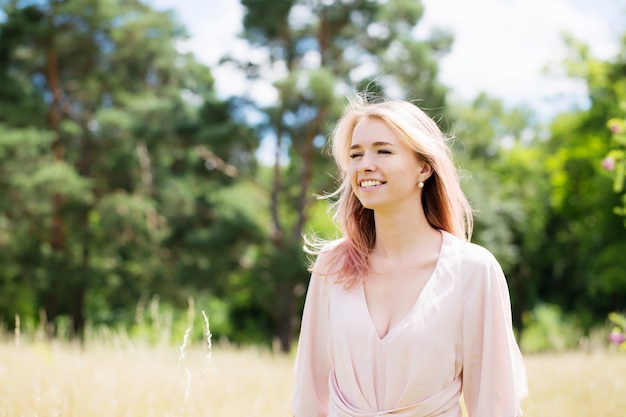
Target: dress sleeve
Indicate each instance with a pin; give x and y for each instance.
(312, 365)
(494, 375)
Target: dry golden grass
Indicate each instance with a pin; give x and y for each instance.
(576, 385)
(60, 380)
(42, 379)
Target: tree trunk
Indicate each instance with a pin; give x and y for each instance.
(57, 239)
(284, 324)
(54, 120)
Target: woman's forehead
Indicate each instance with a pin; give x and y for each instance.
(374, 132)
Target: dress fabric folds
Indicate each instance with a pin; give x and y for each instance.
(456, 340)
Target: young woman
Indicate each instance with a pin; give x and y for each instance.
(403, 316)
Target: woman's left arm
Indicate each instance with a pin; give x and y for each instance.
(494, 375)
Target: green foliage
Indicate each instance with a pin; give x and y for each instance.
(58, 178)
(580, 262)
(104, 195)
(584, 233)
(615, 160)
(320, 223)
(18, 145)
(546, 328)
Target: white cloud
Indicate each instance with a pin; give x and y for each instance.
(502, 47)
(213, 29)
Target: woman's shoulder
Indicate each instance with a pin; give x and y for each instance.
(469, 254)
(328, 257)
(475, 267)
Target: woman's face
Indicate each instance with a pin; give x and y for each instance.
(384, 172)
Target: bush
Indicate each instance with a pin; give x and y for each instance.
(547, 329)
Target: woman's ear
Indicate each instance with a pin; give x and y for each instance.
(426, 171)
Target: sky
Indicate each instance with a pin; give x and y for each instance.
(501, 47)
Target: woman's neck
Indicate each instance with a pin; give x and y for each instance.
(401, 234)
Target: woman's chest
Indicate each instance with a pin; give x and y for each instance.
(433, 317)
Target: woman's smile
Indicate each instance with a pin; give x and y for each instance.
(369, 184)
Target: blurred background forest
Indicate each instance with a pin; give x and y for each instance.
(129, 190)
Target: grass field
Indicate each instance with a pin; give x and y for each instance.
(56, 379)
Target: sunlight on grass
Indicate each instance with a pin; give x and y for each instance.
(63, 380)
(60, 379)
(577, 385)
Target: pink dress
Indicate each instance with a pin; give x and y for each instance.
(457, 339)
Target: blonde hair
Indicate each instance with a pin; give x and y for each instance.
(445, 205)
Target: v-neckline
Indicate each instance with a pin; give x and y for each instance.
(392, 330)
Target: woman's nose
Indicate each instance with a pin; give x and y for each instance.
(366, 164)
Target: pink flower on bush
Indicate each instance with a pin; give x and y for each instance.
(618, 333)
(608, 163)
(615, 127)
(617, 337)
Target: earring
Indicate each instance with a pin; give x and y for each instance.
(420, 184)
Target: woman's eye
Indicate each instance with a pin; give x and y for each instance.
(384, 151)
(355, 155)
